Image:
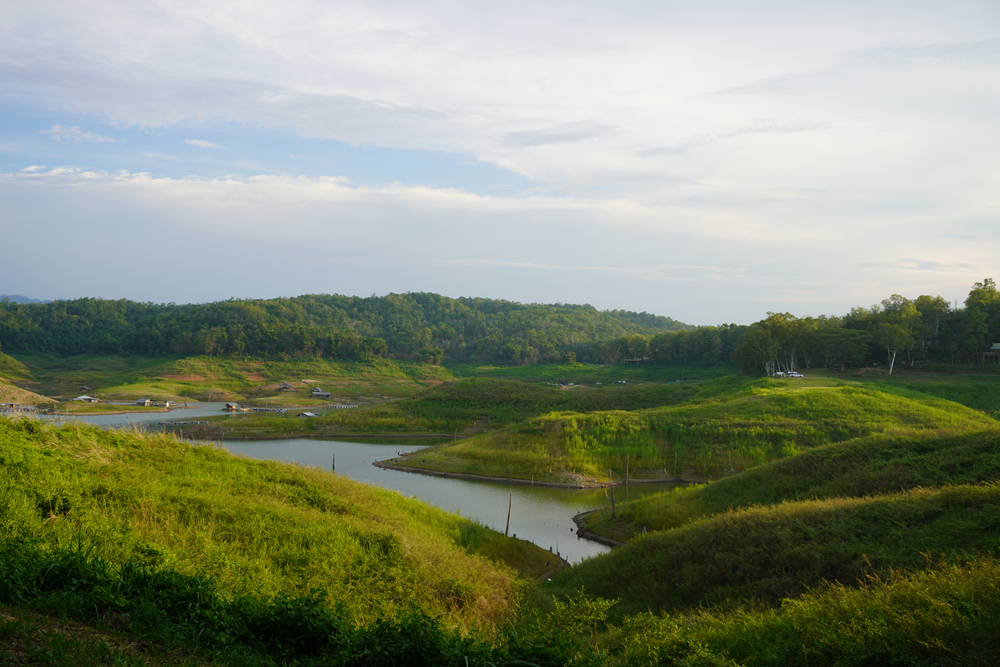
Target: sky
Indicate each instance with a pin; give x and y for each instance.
(707, 161)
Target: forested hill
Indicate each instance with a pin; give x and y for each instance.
(414, 325)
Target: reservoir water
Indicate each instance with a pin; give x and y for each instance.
(542, 515)
(192, 412)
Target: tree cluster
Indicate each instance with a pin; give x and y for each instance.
(927, 328)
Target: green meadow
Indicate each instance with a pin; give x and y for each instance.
(721, 427)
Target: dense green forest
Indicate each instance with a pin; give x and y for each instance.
(433, 328)
(421, 326)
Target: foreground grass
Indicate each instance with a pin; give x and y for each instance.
(743, 425)
(254, 527)
(31, 638)
(873, 465)
(766, 554)
(946, 615)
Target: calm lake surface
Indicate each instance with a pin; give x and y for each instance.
(194, 411)
(542, 515)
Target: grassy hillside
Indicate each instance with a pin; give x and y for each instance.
(10, 393)
(254, 527)
(591, 373)
(467, 407)
(944, 616)
(215, 379)
(12, 369)
(743, 425)
(975, 387)
(878, 464)
(766, 554)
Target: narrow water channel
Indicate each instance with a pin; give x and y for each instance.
(542, 515)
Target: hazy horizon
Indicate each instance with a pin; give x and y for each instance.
(706, 162)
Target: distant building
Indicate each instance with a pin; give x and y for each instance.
(306, 414)
(84, 388)
(11, 406)
(86, 399)
(233, 406)
(319, 393)
(992, 355)
(145, 402)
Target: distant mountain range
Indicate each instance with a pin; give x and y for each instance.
(20, 298)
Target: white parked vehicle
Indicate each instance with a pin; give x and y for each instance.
(793, 374)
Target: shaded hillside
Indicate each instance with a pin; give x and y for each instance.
(877, 464)
(770, 553)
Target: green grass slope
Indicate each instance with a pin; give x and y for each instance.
(878, 464)
(741, 426)
(254, 527)
(591, 373)
(220, 379)
(941, 617)
(765, 554)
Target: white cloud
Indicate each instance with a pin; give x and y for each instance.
(698, 264)
(74, 133)
(771, 143)
(32, 168)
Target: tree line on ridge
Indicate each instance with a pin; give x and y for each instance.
(431, 328)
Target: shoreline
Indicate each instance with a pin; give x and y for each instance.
(594, 537)
(338, 436)
(109, 412)
(523, 482)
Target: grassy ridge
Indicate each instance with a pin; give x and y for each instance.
(744, 424)
(212, 378)
(977, 391)
(254, 526)
(590, 373)
(780, 551)
(944, 616)
(879, 464)
(12, 369)
(508, 401)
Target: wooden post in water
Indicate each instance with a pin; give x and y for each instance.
(613, 515)
(510, 501)
(333, 464)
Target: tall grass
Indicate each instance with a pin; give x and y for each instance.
(769, 553)
(946, 615)
(256, 527)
